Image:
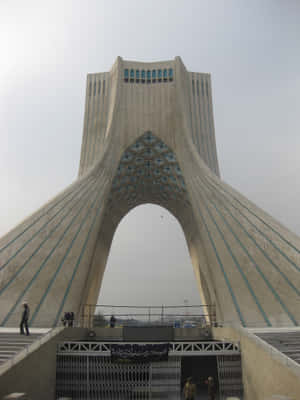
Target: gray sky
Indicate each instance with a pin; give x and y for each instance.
(251, 48)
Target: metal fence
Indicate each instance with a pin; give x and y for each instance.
(93, 315)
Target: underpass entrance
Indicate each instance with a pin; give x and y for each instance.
(199, 368)
(86, 370)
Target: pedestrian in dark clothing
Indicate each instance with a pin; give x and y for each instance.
(64, 319)
(24, 320)
(71, 319)
(112, 321)
(68, 319)
(211, 388)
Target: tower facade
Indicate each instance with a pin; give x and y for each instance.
(149, 138)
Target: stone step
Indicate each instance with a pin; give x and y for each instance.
(19, 339)
(24, 343)
(4, 359)
(4, 356)
(18, 334)
(291, 351)
(12, 347)
(12, 352)
(9, 346)
(288, 343)
(11, 343)
(24, 339)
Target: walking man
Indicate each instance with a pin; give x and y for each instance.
(24, 320)
(189, 390)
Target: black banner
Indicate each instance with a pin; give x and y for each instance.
(139, 353)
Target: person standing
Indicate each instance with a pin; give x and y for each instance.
(71, 319)
(189, 389)
(211, 388)
(24, 320)
(112, 321)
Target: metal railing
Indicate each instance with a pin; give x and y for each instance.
(93, 315)
(175, 348)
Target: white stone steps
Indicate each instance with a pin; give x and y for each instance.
(20, 344)
(287, 342)
(18, 340)
(13, 342)
(13, 334)
(11, 346)
(8, 353)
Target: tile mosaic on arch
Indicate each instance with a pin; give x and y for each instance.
(148, 171)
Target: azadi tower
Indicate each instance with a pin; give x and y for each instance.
(149, 138)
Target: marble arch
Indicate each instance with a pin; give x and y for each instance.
(149, 136)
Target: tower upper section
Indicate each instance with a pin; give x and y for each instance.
(144, 97)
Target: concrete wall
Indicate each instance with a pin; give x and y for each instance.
(34, 372)
(266, 371)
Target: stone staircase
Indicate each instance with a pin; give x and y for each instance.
(12, 343)
(287, 342)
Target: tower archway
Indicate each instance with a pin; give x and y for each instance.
(246, 263)
(148, 172)
(148, 262)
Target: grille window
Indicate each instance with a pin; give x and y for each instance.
(153, 75)
(131, 75)
(149, 76)
(159, 73)
(165, 75)
(126, 73)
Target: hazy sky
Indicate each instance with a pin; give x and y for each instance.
(251, 49)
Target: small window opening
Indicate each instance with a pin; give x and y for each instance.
(131, 75)
(126, 75)
(153, 75)
(137, 75)
(148, 76)
(159, 73)
(165, 75)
